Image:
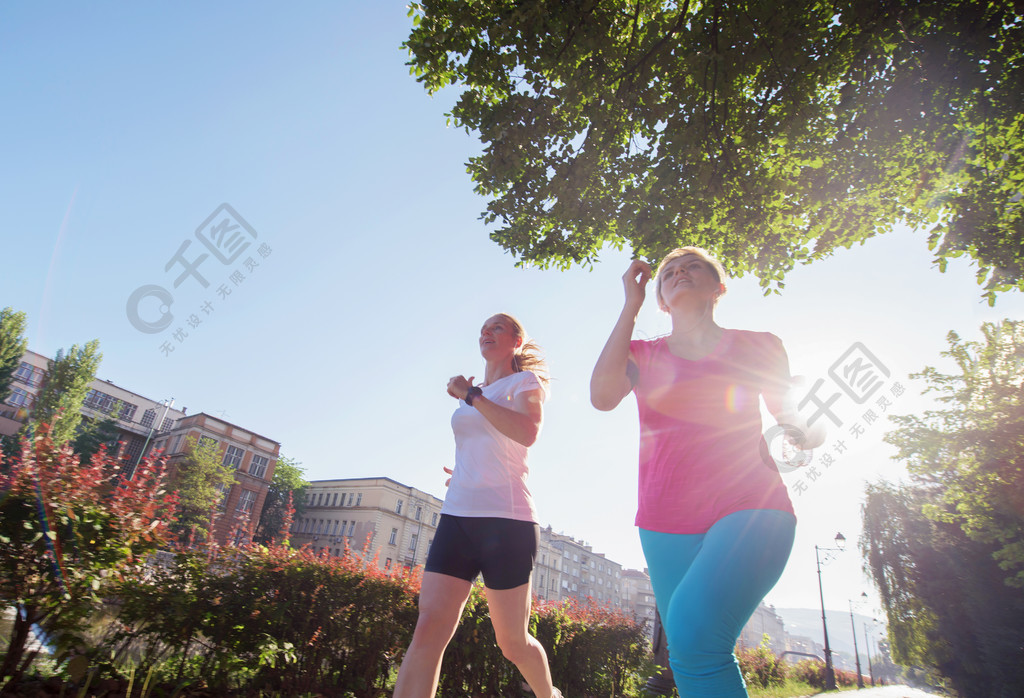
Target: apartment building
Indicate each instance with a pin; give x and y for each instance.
(145, 425)
(765, 621)
(376, 517)
(252, 456)
(568, 568)
(138, 418)
(638, 598)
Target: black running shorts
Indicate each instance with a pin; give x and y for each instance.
(502, 550)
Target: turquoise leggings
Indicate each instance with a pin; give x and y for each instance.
(707, 586)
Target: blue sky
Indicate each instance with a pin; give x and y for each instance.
(125, 126)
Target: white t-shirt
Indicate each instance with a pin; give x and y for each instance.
(489, 477)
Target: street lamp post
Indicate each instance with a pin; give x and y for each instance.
(830, 674)
(856, 653)
(867, 648)
(152, 428)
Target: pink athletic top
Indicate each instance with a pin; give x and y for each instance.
(700, 431)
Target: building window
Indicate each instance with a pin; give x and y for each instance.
(350, 498)
(387, 564)
(127, 413)
(351, 528)
(359, 500)
(258, 466)
(19, 398)
(101, 402)
(412, 543)
(148, 417)
(225, 490)
(246, 501)
(167, 425)
(334, 502)
(29, 374)
(233, 457)
(133, 449)
(433, 519)
(419, 513)
(334, 531)
(398, 507)
(394, 536)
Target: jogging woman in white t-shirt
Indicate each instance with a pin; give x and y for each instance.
(488, 524)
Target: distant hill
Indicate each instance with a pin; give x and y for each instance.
(807, 622)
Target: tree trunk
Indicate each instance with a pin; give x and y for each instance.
(11, 669)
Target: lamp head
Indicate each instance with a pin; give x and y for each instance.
(841, 541)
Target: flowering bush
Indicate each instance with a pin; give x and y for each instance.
(813, 673)
(212, 620)
(69, 531)
(275, 619)
(760, 666)
(593, 650)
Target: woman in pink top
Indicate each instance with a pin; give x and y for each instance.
(715, 520)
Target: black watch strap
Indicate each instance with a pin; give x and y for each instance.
(473, 393)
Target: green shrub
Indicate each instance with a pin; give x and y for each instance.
(69, 531)
(760, 666)
(273, 619)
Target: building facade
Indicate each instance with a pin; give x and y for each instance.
(567, 568)
(251, 456)
(375, 518)
(139, 419)
(146, 426)
(638, 598)
(765, 621)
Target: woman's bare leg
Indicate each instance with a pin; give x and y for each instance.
(510, 616)
(442, 598)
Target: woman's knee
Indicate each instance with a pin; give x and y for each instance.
(517, 648)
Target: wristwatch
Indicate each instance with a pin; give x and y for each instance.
(473, 393)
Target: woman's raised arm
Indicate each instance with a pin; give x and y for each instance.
(610, 380)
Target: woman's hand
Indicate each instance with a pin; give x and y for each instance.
(635, 283)
(450, 473)
(458, 386)
(610, 381)
(801, 435)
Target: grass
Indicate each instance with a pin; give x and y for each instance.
(792, 689)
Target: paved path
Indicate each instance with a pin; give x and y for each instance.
(885, 692)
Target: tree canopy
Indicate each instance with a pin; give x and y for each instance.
(970, 454)
(200, 481)
(285, 490)
(769, 133)
(63, 391)
(947, 548)
(12, 346)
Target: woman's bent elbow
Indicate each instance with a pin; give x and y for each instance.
(605, 403)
